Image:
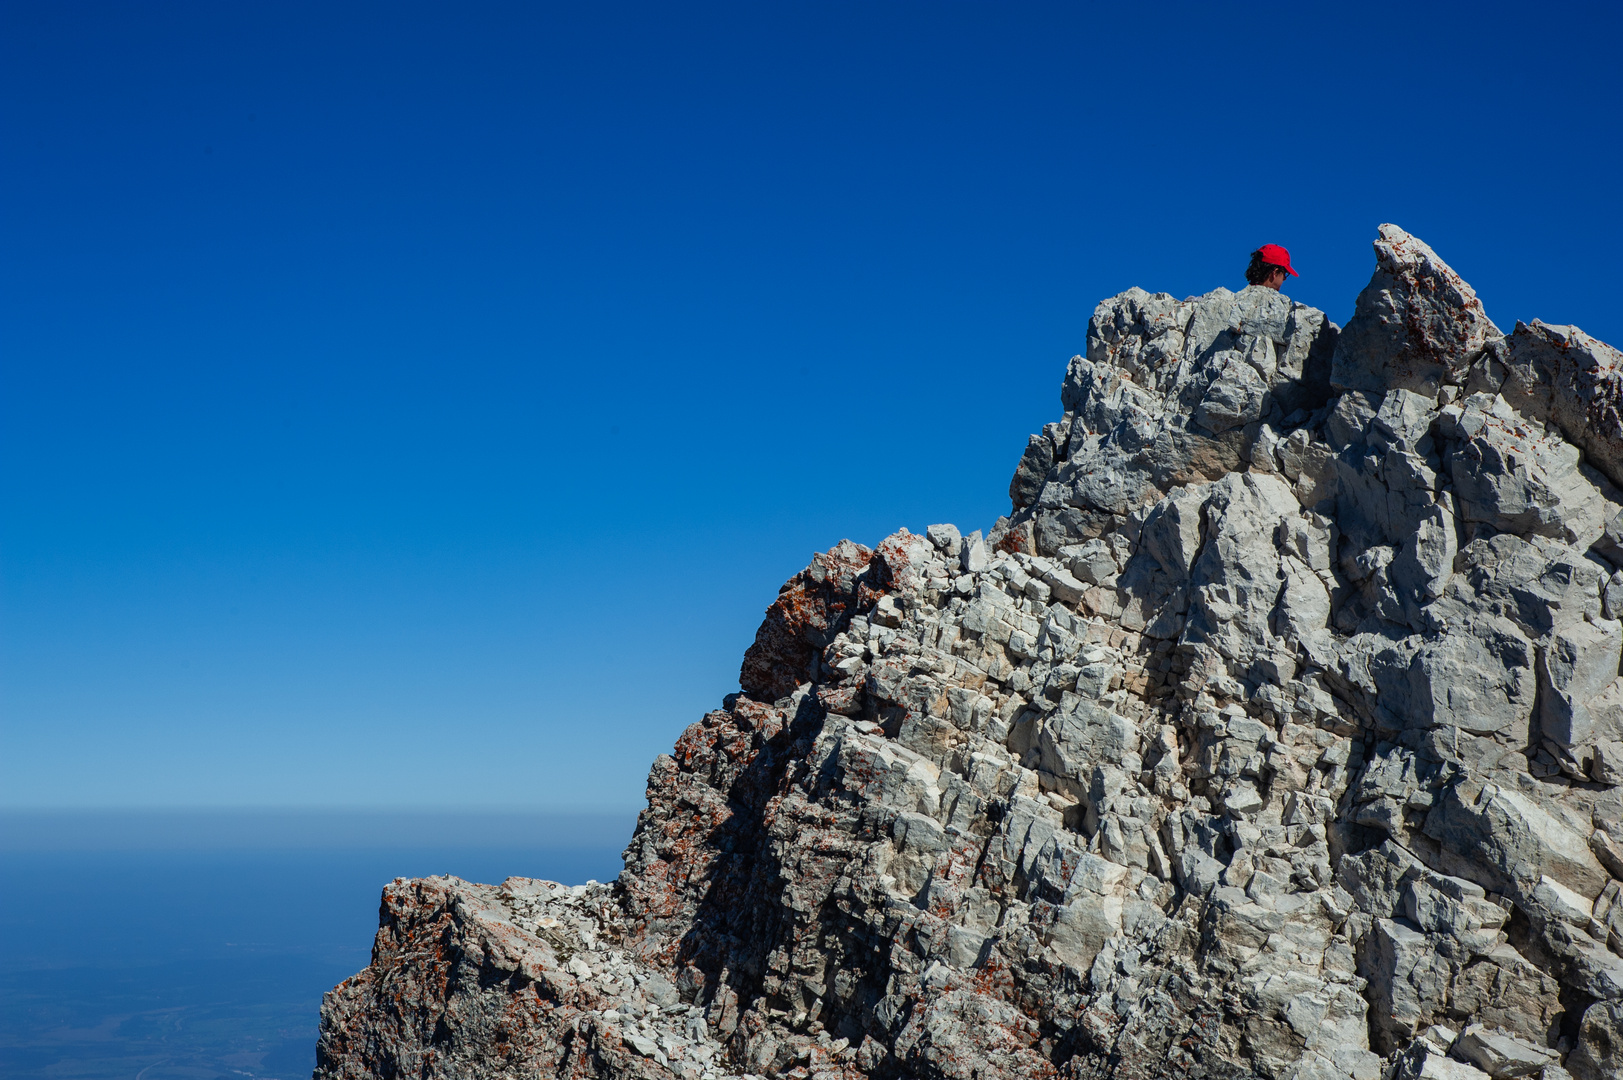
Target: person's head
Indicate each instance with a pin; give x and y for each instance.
(1270, 264)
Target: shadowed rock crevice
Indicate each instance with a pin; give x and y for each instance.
(1276, 732)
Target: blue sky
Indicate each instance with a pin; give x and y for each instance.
(417, 405)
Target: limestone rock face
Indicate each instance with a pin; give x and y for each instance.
(1416, 326)
(1276, 732)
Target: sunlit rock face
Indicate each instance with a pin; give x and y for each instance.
(1276, 732)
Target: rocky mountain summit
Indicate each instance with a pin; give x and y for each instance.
(1276, 732)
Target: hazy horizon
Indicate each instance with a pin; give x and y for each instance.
(202, 828)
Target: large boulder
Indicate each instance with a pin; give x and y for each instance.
(1599, 1053)
(1416, 326)
(1562, 375)
(1505, 841)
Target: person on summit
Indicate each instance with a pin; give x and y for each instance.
(1269, 265)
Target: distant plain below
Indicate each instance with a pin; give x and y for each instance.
(195, 944)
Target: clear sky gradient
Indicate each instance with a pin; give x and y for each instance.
(417, 405)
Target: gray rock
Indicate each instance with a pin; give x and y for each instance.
(1507, 991)
(1506, 841)
(1269, 735)
(1437, 1067)
(1034, 466)
(643, 1045)
(1375, 878)
(974, 556)
(1092, 563)
(1580, 661)
(1081, 734)
(1592, 969)
(1478, 678)
(1561, 374)
(1599, 1053)
(946, 539)
(1408, 982)
(1606, 765)
(1500, 1055)
(1416, 325)
(1517, 478)
(1606, 851)
(1463, 922)
(1536, 583)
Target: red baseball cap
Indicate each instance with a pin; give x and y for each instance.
(1274, 255)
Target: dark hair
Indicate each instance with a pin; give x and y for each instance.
(1259, 271)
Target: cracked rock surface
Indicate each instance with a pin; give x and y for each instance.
(1276, 732)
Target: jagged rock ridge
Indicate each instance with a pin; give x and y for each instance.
(1277, 732)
